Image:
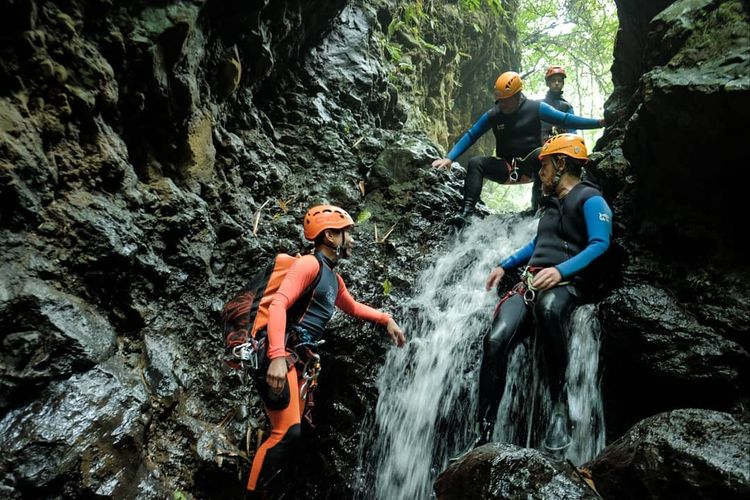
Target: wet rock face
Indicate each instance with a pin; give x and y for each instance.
(672, 79)
(53, 335)
(151, 158)
(675, 333)
(497, 471)
(697, 79)
(681, 454)
(635, 18)
(659, 354)
(81, 437)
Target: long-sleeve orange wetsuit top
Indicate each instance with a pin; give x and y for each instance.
(330, 291)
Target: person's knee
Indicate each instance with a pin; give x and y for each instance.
(548, 308)
(293, 437)
(497, 339)
(475, 165)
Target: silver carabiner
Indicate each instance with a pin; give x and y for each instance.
(513, 174)
(529, 296)
(247, 354)
(309, 373)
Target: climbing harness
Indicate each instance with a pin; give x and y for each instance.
(525, 288)
(307, 361)
(527, 279)
(310, 367)
(247, 353)
(514, 167)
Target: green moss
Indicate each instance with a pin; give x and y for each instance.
(716, 33)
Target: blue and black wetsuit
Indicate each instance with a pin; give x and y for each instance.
(516, 136)
(557, 101)
(573, 232)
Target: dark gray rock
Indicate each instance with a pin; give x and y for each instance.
(687, 453)
(81, 435)
(683, 308)
(47, 335)
(501, 471)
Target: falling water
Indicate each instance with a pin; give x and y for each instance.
(428, 390)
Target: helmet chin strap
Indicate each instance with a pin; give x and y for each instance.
(558, 174)
(339, 249)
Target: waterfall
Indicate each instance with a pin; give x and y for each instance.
(427, 401)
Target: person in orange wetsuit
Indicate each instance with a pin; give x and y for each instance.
(284, 386)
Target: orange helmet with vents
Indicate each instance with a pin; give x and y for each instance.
(508, 84)
(555, 70)
(565, 144)
(322, 217)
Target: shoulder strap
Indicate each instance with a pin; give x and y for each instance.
(300, 305)
(315, 282)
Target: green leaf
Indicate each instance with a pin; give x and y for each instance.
(363, 216)
(387, 287)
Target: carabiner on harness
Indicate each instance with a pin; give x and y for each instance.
(310, 376)
(529, 293)
(310, 361)
(247, 354)
(513, 171)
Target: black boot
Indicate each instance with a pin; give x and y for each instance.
(558, 439)
(462, 219)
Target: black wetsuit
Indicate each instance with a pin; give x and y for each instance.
(517, 135)
(569, 237)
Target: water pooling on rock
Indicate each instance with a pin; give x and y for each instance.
(428, 391)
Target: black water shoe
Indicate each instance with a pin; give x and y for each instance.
(557, 438)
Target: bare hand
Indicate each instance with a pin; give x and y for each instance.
(494, 278)
(395, 332)
(546, 278)
(443, 163)
(276, 374)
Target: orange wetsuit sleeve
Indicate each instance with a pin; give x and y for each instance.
(346, 303)
(297, 279)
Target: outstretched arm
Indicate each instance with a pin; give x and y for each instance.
(470, 137)
(572, 111)
(346, 303)
(567, 120)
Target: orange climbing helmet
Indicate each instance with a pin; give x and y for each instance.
(322, 217)
(555, 70)
(565, 144)
(508, 84)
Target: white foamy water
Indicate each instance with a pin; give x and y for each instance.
(427, 402)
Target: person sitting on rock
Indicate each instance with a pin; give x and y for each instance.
(289, 374)
(517, 124)
(555, 80)
(574, 230)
